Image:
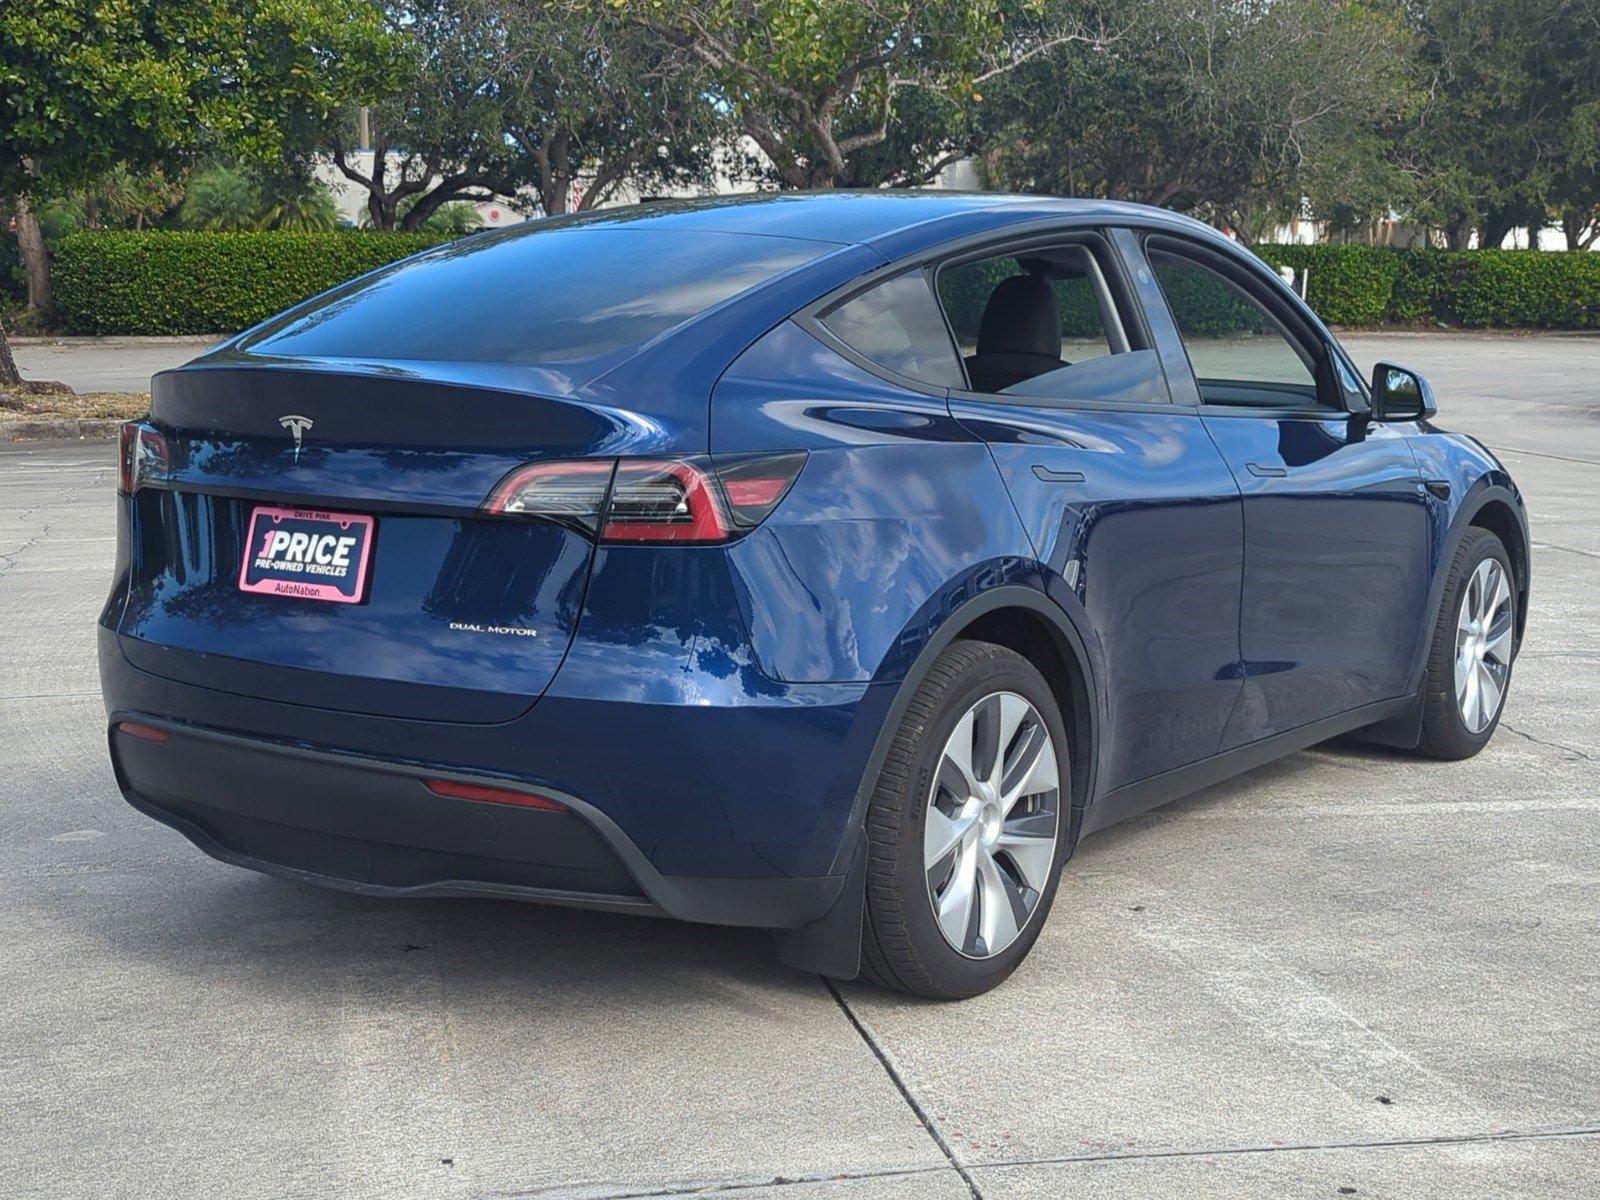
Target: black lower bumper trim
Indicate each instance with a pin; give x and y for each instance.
(372, 827)
(373, 831)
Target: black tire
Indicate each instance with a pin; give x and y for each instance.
(902, 946)
(1445, 733)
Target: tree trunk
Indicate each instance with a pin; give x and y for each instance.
(421, 209)
(8, 365)
(30, 240)
(1582, 228)
(560, 188)
(1459, 235)
(1496, 226)
(429, 203)
(379, 211)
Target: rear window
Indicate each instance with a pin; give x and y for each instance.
(552, 294)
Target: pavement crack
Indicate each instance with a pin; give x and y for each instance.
(1573, 751)
(705, 1187)
(1565, 549)
(9, 558)
(1445, 1139)
(904, 1089)
(1566, 458)
(667, 1191)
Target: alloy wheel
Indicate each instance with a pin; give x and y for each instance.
(1483, 645)
(993, 817)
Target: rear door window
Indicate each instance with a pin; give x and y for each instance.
(966, 289)
(896, 325)
(1048, 325)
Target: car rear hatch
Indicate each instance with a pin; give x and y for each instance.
(357, 437)
(455, 616)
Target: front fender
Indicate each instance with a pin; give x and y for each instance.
(1478, 482)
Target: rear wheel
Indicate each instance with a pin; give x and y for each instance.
(1469, 664)
(967, 828)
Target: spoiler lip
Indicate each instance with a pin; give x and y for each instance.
(416, 407)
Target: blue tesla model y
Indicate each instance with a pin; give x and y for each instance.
(822, 563)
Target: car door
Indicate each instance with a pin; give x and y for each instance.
(1335, 576)
(1128, 503)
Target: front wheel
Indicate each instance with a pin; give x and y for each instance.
(1469, 663)
(967, 828)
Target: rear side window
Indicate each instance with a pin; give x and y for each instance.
(898, 326)
(533, 294)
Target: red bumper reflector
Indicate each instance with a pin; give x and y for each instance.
(146, 732)
(490, 795)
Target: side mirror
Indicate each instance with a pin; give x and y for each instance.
(1401, 394)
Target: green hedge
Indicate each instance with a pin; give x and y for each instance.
(170, 282)
(167, 282)
(1357, 285)
(1508, 289)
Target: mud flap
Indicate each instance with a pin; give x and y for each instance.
(1402, 731)
(831, 945)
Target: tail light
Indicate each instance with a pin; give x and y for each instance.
(665, 501)
(695, 501)
(142, 456)
(754, 483)
(456, 790)
(147, 733)
(567, 493)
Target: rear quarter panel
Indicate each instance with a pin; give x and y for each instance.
(898, 514)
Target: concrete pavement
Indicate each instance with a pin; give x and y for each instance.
(1351, 972)
(110, 364)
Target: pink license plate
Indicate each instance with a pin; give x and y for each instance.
(307, 554)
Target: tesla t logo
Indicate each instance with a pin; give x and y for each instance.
(297, 426)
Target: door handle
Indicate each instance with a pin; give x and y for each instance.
(1051, 475)
(1266, 471)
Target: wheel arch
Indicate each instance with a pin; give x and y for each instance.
(1026, 620)
(1496, 513)
(1491, 505)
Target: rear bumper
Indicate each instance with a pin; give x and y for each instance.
(374, 828)
(727, 807)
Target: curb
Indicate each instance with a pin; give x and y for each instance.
(78, 429)
(120, 339)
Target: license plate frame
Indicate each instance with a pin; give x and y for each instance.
(330, 572)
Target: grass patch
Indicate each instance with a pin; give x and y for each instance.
(117, 406)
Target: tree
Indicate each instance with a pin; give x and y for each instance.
(1508, 134)
(227, 196)
(592, 99)
(122, 198)
(221, 198)
(928, 130)
(298, 201)
(1221, 107)
(816, 83)
(438, 135)
(88, 84)
(1571, 94)
(1575, 190)
(500, 95)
